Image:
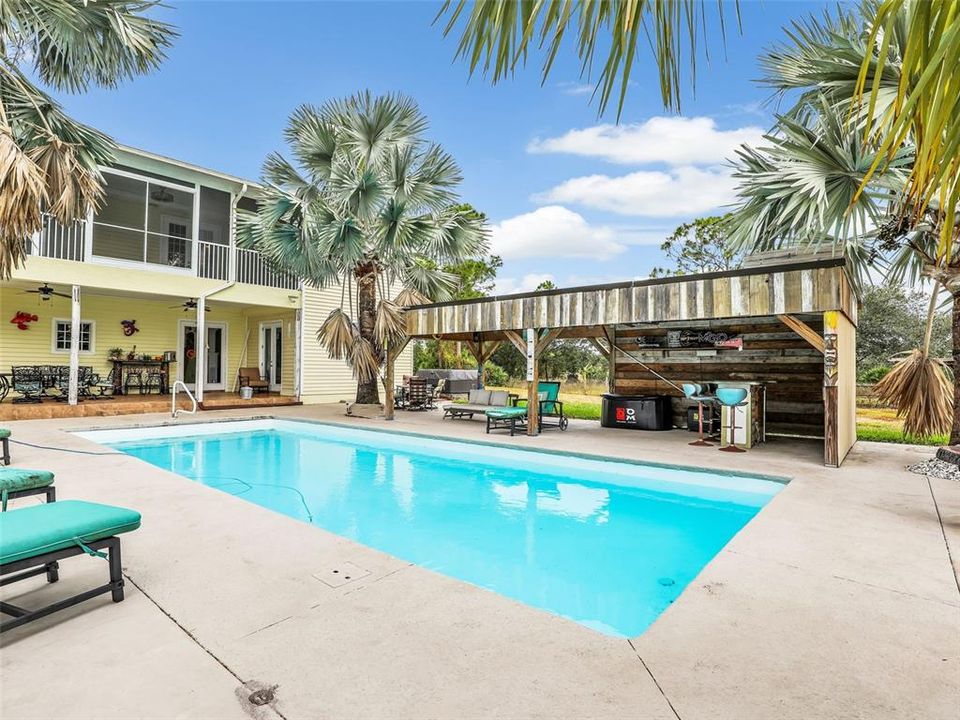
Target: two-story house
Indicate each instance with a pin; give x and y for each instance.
(156, 268)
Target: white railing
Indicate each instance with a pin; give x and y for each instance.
(213, 260)
(62, 242)
(174, 410)
(252, 268)
(67, 242)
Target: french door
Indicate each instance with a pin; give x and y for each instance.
(271, 353)
(216, 362)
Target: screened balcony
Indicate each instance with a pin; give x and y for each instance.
(160, 224)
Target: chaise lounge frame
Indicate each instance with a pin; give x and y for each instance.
(48, 563)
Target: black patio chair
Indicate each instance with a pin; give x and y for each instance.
(27, 383)
(99, 389)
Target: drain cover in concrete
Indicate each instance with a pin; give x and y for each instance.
(341, 574)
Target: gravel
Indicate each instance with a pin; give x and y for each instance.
(936, 468)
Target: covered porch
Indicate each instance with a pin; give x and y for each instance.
(87, 347)
(788, 330)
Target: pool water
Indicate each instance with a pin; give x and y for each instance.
(606, 544)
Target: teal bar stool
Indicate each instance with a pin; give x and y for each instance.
(732, 398)
(695, 391)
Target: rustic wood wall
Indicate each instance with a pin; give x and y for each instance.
(772, 353)
(809, 288)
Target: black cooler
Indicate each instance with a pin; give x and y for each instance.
(636, 412)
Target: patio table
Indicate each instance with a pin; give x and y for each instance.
(122, 368)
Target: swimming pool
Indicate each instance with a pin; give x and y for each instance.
(607, 544)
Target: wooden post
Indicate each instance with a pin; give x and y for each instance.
(839, 387)
(389, 381)
(533, 381)
(74, 387)
(610, 332)
(481, 361)
(831, 440)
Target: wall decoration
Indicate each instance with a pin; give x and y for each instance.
(129, 327)
(22, 320)
(701, 338)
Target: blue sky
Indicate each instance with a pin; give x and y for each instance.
(571, 197)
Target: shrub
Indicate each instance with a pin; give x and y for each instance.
(596, 371)
(494, 375)
(873, 374)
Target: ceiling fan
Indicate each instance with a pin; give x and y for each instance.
(46, 292)
(189, 305)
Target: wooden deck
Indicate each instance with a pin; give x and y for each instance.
(135, 405)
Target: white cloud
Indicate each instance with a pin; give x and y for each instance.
(508, 286)
(555, 232)
(670, 140)
(575, 88)
(681, 191)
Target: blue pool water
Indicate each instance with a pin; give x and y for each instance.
(607, 544)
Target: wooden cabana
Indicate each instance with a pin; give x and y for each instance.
(793, 328)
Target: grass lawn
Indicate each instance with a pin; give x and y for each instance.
(873, 423)
(883, 425)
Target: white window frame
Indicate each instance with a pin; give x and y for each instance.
(66, 351)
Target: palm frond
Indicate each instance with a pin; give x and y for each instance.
(337, 333)
(74, 45)
(390, 325)
(498, 35)
(363, 359)
(920, 388)
(22, 194)
(927, 105)
(408, 297)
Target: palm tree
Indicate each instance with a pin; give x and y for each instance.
(924, 105)
(370, 206)
(498, 35)
(814, 182)
(48, 160)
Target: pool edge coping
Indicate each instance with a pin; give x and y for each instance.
(781, 479)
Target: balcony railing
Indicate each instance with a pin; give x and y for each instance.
(63, 242)
(214, 260)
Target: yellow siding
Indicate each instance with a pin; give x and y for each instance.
(325, 379)
(157, 321)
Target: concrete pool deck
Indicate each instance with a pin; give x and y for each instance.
(838, 600)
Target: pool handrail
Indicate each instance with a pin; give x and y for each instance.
(174, 410)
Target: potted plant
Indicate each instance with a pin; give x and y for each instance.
(115, 353)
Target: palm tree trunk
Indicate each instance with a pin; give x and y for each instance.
(955, 332)
(368, 392)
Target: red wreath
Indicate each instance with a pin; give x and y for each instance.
(191, 354)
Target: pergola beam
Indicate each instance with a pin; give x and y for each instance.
(803, 330)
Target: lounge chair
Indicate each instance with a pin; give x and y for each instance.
(251, 377)
(20, 482)
(478, 402)
(5, 439)
(551, 408)
(34, 539)
(512, 418)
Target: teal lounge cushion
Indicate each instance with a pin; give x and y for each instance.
(4, 433)
(30, 531)
(13, 479)
(506, 412)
